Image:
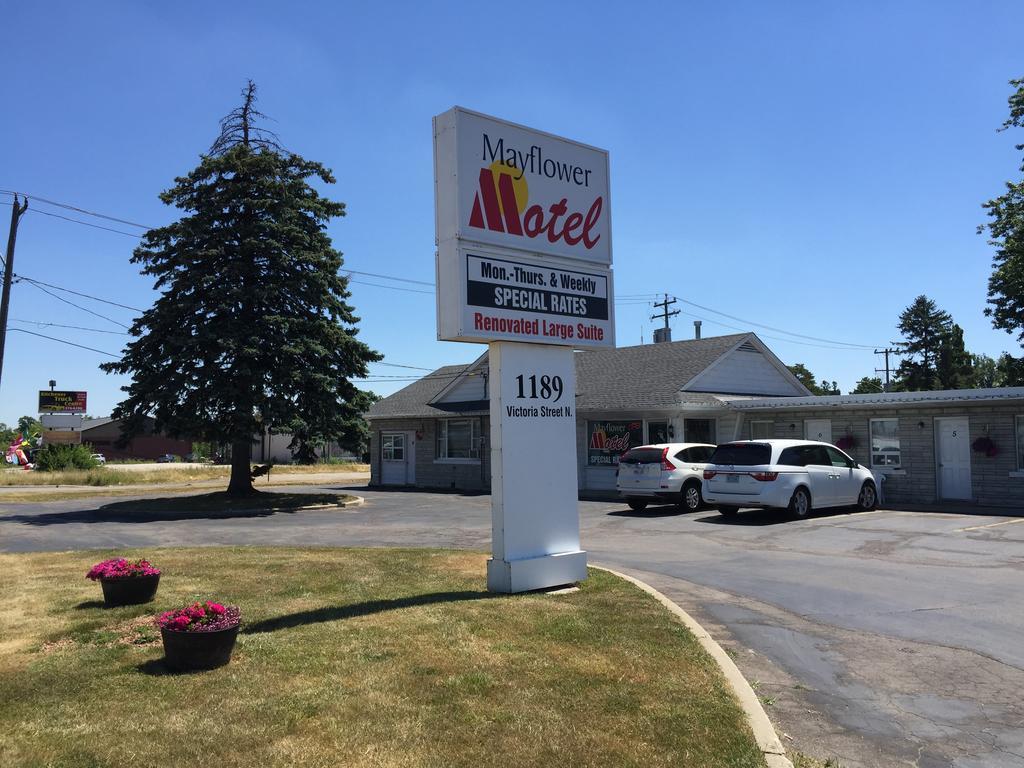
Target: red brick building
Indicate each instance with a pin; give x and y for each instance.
(103, 435)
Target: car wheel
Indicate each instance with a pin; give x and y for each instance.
(690, 498)
(868, 498)
(800, 504)
(637, 506)
(728, 511)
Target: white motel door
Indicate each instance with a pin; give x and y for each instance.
(954, 458)
(818, 429)
(396, 459)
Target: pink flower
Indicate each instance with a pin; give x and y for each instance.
(180, 622)
(216, 608)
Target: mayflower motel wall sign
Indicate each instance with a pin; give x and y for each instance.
(524, 264)
(523, 235)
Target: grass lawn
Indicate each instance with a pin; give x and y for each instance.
(113, 476)
(355, 657)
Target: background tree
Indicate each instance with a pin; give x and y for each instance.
(986, 372)
(924, 327)
(954, 367)
(1006, 235)
(1009, 371)
(29, 426)
(868, 385)
(807, 379)
(252, 328)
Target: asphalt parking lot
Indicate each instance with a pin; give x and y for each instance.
(881, 639)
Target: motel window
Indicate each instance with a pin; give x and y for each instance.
(1020, 442)
(657, 431)
(762, 430)
(393, 447)
(885, 444)
(458, 439)
(699, 430)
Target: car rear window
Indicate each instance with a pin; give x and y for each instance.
(744, 454)
(699, 453)
(642, 456)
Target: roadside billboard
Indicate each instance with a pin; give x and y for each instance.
(61, 401)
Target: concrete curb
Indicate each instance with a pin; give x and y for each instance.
(764, 732)
(358, 501)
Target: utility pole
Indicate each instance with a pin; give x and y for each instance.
(665, 313)
(16, 213)
(887, 351)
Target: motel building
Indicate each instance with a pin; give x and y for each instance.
(958, 446)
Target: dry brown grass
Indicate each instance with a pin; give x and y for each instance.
(357, 658)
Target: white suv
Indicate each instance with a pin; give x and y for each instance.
(791, 474)
(664, 472)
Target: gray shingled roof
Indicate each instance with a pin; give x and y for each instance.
(627, 378)
(413, 401)
(646, 376)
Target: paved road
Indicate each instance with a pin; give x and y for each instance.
(882, 639)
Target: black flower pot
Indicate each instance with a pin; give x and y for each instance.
(129, 591)
(184, 651)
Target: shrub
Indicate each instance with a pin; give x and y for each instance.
(57, 458)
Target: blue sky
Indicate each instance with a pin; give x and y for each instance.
(803, 165)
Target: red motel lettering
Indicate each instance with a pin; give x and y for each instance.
(504, 216)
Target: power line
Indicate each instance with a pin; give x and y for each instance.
(76, 306)
(390, 287)
(78, 293)
(75, 327)
(83, 223)
(69, 343)
(777, 330)
(70, 207)
(766, 336)
(386, 277)
(392, 365)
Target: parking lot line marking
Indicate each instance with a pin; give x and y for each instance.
(992, 525)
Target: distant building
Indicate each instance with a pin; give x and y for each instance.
(103, 435)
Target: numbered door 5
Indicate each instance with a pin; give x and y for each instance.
(954, 458)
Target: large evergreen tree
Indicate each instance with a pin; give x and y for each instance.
(252, 329)
(924, 327)
(1006, 235)
(954, 367)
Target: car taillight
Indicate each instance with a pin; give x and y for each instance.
(666, 465)
(764, 476)
(709, 473)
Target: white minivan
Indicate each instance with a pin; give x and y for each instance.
(798, 475)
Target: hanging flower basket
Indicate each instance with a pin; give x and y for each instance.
(986, 446)
(125, 582)
(199, 636)
(846, 442)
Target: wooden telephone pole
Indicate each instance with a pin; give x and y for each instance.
(16, 213)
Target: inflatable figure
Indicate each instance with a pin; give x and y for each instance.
(16, 451)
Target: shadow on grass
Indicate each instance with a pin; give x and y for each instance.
(336, 613)
(90, 604)
(206, 506)
(157, 668)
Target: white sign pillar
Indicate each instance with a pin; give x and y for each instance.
(534, 512)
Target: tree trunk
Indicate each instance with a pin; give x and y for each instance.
(241, 481)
